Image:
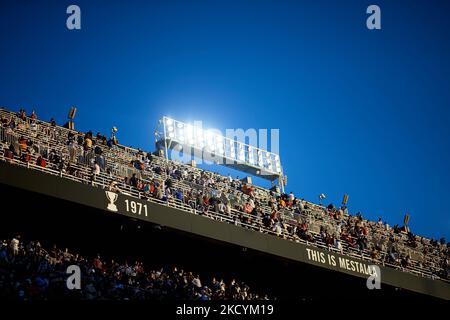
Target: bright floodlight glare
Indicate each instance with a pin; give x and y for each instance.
(199, 133)
(240, 152)
(189, 130)
(210, 137)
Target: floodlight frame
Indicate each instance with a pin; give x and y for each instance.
(229, 150)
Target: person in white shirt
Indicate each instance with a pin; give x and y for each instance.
(291, 197)
(251, 203)
(221, 207)
(196, 282)
(277, 229)
(96, 169)
(14, 245)
(228, 208)
(338, 244)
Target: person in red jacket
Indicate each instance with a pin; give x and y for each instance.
(41, 162)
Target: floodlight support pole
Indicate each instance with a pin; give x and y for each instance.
(165, 140)
(281, 182)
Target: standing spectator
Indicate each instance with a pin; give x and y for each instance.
(14, 245)
(95, 171)
(134, 180)
(291, 197)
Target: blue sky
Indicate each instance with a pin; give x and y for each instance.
(361, 112)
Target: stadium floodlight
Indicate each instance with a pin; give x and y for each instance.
(321, 197)
(234, 153)
(190, 133)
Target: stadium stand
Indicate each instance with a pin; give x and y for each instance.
(30, 272)
(101, 162)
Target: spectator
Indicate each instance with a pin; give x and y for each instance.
(14, 245)
(134, 180)
(179, 195)
(41, 162)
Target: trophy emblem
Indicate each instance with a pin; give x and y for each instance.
(112, 197)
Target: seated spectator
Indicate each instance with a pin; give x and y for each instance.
(114, 187)
(41, 162)
(179, 195)
(9, 155)
(26, 157)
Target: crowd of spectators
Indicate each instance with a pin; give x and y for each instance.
(30, 272)
(214, 195)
